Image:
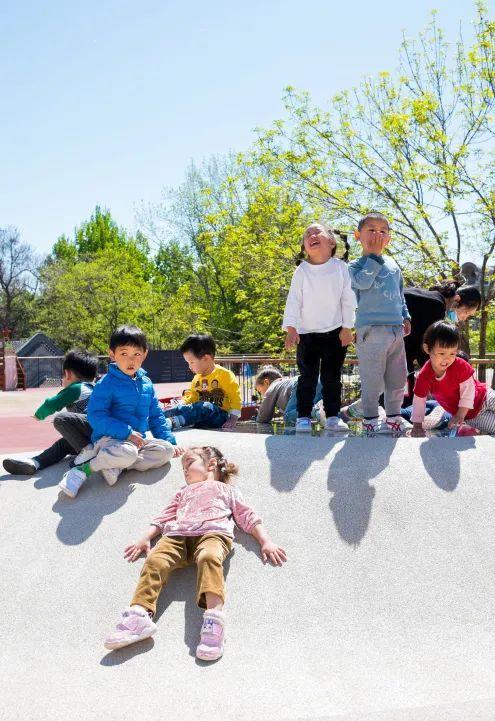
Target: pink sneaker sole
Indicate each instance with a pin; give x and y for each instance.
(113, 644)
(206, 653)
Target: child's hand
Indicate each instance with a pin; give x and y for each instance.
(178, 451)
(132, 552)
(407, 328)
(292, 338)
(137, 439)
(374, 244)
(346, 336)
(273, 553)
(456, 420)
(230, 423)
(418, 431)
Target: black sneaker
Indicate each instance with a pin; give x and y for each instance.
(25, 467)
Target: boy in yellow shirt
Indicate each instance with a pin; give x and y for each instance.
(214, 399)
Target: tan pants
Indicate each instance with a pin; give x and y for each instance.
(208, 552)
(112, 453)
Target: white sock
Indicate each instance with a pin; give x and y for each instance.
(36, 463)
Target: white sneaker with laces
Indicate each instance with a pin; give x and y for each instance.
(72, 481)
(111, 475)
(303, 425)
(396, 424)
(334, 423)
(371, 426)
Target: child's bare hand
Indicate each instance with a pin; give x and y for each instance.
(132, 552)
(230, 423)
(456, 420)
(346, 336)
(136, 439)
(273, 553)
(407, 328)
(418, 431)
(292, 338)
(178, 451)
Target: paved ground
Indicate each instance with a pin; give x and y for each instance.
(384, 611)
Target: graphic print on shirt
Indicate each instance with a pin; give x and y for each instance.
(215, 394)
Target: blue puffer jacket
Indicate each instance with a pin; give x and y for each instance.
(121, 404)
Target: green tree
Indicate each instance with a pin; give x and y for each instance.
(417, 146)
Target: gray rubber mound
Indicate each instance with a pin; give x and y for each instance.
(383, 612)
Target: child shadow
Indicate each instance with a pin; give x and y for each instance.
(301, 451)
(442, 461)
(353, 467)
(121, 655)
(80, 517)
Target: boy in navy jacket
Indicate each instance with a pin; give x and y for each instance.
(122, 410)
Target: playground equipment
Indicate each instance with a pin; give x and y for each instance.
(12, 376)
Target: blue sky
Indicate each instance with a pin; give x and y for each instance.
(107, 102)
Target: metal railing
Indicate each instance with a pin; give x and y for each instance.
(46, 371)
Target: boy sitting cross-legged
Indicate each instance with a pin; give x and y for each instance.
(122, 410)
(214, 399)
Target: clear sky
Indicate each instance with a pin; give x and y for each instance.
(107, 102)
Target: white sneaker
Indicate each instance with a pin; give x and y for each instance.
(134, 625)
(85, 455)
(372, 426)
(396, 424)
(72, 481)
(334, 423)
(303, 425)
(111, 475)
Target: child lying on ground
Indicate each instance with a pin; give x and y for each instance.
(196, 527)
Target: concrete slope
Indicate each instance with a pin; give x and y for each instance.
(384, 611)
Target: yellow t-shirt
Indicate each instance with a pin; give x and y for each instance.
(219, 387)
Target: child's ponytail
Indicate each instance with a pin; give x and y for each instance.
(448, 288)
(226, 469)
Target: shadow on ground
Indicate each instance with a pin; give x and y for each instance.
(81, 516)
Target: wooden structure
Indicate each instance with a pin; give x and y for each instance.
(9, 362)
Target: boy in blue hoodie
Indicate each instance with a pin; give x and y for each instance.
(123, 408)
(382, 322)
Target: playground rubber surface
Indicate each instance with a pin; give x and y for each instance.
(383, 612)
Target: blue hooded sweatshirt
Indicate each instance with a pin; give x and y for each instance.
(121, 404)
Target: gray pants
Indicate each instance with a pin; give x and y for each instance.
(112, 453)
(382, 367)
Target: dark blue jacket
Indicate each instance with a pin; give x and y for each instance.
(121, 404)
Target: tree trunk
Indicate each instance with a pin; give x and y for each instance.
(482, 349)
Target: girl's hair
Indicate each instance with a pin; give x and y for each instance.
(331, 234)
(469, 294)
(225, 469)
(470, 297)
(267, 372)
(443, 334)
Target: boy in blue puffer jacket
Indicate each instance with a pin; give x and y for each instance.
(123, 408)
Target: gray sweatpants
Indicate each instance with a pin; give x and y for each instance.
(112, 453)
(382, 367)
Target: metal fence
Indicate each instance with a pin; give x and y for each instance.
(46, 371)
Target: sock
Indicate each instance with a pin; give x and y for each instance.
(84, 467)
(36, 463)
(142, 608)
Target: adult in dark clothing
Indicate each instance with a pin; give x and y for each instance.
(427, 306)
